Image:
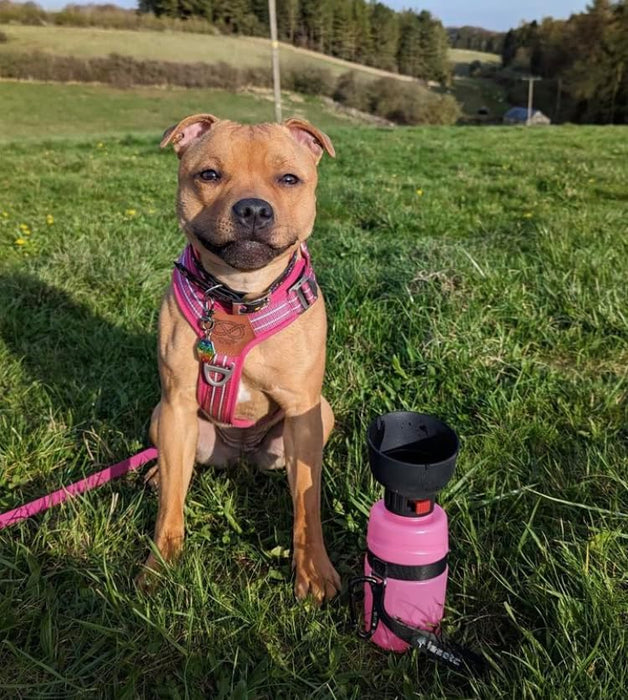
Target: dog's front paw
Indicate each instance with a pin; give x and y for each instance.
(170, 548)
(315, 574)
(146, 580)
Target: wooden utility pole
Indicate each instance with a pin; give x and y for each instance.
(272, 13)
(531, 80)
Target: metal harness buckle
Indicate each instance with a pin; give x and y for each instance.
(225, 371)
(297, 288)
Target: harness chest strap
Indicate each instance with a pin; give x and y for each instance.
(239, 326)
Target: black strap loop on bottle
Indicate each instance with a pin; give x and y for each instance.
(405, 572)
(445, 652)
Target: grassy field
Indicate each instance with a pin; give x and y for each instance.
(99, 109)
(468, 56)
(477, 274)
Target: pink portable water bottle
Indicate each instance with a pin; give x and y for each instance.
(405, 569)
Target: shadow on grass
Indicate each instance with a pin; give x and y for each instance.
(90, 367)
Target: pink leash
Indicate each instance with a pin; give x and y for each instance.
(89, 482)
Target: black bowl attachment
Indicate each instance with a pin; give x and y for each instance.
(413, 456)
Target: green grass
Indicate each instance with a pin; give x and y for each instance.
(99, 109)
(495, 299)
(468, 56)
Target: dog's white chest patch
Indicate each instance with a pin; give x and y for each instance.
(243, 393)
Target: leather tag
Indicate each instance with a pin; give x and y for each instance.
(231, 333)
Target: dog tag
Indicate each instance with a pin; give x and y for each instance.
(205, 349)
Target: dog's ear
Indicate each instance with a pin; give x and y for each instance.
(186, 131)
(311, 137)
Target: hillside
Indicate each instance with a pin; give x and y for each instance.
(185, 46)
(234, 50)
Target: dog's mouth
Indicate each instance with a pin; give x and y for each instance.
(245, 255)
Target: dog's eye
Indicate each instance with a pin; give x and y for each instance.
(289, 179)
(209, 175)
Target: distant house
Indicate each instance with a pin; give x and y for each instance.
(519, 115)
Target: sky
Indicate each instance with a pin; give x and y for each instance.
(490, 14)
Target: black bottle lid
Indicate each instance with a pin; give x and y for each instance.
(411, 454)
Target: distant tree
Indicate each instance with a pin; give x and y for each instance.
(317, 18)
(509, 48)
(475, 39)
(384, 37)
(361, 18)
(434, 47)
(598, 76)
(343, 30)
(177, 8)
(409, 54)
(288, 19)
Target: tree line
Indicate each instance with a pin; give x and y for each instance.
(407, 42)
(583, 62)
(476, 39)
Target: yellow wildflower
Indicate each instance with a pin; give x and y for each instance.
(100, 144)
(527, 215)
(20, 241)
(130, 212)
(50, 219)
(23, 227)
(419, 192)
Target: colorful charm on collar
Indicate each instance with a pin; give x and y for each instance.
(204, 347)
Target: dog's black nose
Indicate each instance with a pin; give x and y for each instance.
(253, 213)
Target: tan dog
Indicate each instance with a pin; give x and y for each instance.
(246, 202)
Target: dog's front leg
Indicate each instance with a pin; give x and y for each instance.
(174, 430)
(304, 436)
(177, 440)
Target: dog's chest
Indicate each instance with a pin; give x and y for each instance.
(252, 404)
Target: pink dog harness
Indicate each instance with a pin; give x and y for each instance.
(229, 327)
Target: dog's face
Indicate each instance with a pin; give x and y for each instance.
(246, 193)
